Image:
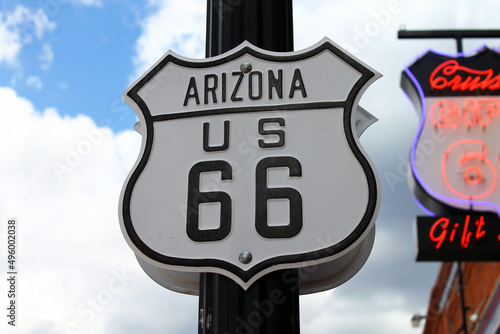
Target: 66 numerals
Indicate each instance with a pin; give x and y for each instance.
(262, 195)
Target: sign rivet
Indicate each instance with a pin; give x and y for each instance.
(245, 67)
(245, 257)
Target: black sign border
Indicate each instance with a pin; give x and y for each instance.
(348, 105)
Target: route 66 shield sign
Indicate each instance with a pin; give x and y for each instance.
(250, 163)
(454, 157)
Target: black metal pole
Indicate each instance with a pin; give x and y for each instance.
(267, 24)
(457, 35)
(271, 304)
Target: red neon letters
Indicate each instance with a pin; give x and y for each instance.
(447, 114)
(467, 156)
(450, 74)
(440, 233)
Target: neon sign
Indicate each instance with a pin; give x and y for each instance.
(470, 237)
(439, 232)
(484, 79)
(467, 156)
(446, 113)
(459, 100)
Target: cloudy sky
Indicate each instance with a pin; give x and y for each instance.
(67, 144)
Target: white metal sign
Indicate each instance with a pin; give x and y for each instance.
(250, 163)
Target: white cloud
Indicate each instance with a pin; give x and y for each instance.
(46, 57)
(28, 22)
(20, 27)
(34, 81)
(71, 250)
(175, 25)
(9, 44)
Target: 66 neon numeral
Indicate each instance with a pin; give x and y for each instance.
(262, 195)
(479, 174)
